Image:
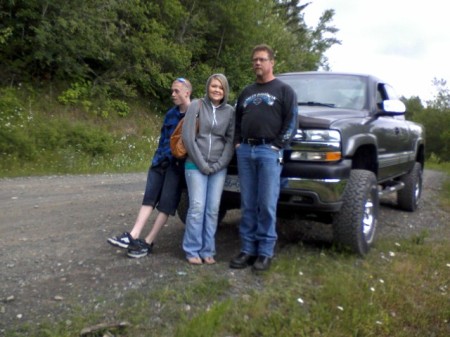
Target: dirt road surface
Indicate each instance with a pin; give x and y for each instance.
(53, 249)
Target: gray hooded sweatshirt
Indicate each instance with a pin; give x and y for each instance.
(211, 148)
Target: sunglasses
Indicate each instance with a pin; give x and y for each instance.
(181, 79)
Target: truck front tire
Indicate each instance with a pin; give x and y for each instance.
(355, 226)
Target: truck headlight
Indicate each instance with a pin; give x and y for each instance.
(316, 145)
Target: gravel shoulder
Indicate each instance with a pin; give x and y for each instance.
(53, 249)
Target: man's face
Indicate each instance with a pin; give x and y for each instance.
(180, 93)
(262, 65)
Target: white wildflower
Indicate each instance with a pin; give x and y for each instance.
(300, 300)
(340, 308)
(391, 254)
(372, 289)
(381, 281)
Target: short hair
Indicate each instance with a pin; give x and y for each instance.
(185, 82)
(223, 81)
(264, 47)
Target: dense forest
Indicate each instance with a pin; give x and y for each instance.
(127, 47)
(75, 74)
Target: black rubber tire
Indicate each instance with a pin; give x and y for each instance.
(183, 207)
(408, 197)
(355, 226)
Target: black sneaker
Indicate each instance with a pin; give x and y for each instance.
(140, 248)
(123, 241)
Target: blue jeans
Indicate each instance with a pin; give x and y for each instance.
(205, 192)
(259, 178)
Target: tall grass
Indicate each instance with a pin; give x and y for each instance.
(38, 140)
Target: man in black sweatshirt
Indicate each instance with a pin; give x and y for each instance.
(266, 121)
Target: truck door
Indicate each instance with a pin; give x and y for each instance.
(394, 149)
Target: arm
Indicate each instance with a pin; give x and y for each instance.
(237, 124)
(189, 136)
(289, 125)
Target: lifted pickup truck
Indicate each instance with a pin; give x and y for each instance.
(352, 146)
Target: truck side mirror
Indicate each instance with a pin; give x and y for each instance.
(394, 106)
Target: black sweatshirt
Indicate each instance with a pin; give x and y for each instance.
(267, 110)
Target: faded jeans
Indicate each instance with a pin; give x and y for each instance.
(259, 178)
(205, 192)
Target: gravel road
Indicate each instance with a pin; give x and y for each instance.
(53, 248)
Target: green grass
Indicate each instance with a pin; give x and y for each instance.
(37, 139)
(401, 289)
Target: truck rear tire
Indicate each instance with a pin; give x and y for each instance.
(355, 226)
(409, 196)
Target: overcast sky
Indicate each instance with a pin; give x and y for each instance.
(406, 43)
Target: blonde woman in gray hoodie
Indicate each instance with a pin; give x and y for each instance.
(209, 149)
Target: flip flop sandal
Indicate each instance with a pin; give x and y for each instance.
(194, 260)
(209, 260)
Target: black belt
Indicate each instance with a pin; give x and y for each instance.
(256, 141)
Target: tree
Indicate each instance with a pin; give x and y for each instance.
(436, 118)
(128, 47)
(413, 106)
(442, 99)
(310, 44)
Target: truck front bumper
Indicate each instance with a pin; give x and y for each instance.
(310, 186)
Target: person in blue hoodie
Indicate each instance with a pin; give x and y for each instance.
(210, 148)
(163, 187)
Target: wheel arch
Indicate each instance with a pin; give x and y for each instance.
(356, 142)
(365, 158)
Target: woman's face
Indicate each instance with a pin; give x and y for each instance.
(215, 91)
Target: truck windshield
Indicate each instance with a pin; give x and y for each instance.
(337, 91)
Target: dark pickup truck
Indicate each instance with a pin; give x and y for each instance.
(352, 146)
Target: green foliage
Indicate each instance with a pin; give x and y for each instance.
(5, 33)
(413, 106)
(14, 131)
(435, 117)
(34, 141)
(118, 106)
(131, 47)
(437, 135)
(78, 92)
(82, 94)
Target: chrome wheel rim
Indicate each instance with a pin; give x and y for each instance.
(368, 220)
